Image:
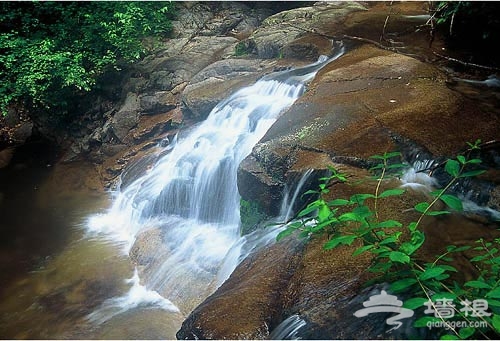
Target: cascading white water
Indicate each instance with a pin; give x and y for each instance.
(415, 176)
(191, 192)
(196, 181)
(286, 210)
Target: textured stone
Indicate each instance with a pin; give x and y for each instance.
(216, 82)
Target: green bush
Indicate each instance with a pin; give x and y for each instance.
(50, 51)
(394, 245)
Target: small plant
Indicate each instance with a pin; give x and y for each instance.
(241, 49)
(394, 245)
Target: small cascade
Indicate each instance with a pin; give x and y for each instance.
(191, 194)
(263, 237)
(287, 206)
(137, 296)
(415, 176)
(288, 329)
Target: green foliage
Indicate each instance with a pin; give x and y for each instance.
(50, 51)
(241, 49)
(251, 215)
(473, 24)
(394, 246)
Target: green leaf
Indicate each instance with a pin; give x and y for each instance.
(442, 277)
(440, 295)
(339, 202)
(416, 241)
(467, 332)
(414, 303)
(402, 284)
(360, 198)
(434, 213)
(461, 159)
(452, 201)
(437, 192)
(324, 213)
(412, 226)
(389, 223)
(391, 192)
(362, 249)
(399, 257)
(391, 154)
(423, 321)
(449, 337)
(284, 233)
(340, 240)
(380, 267)
(462, 248)
(421, 207)
(495, 293)
(452, 167)
(349, 216)
(389, 240)
(448, 267)
(472, 173)
(495, 321)
(477, 284)
(493, 303)
(379, 166)
(479, 258)
(431, 273)
(310, 208)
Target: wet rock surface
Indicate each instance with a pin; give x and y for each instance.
(217, 81)
(369, 101)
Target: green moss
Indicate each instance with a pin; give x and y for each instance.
(241, 49)
(251, 215)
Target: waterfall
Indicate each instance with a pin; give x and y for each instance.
(288, 329)
(287, 206)
(191, 192)
(416, 177)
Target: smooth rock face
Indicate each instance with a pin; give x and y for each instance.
(367, 102)
(217, 81)
(356, 107)
(280, 34)
(246, 305)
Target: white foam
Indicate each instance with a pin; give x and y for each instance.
(416, 178)
(137, 296)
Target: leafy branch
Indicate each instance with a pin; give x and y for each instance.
(394, 246)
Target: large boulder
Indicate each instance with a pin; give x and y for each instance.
(319, 290)
(196, 54)
(361, 105)
(126, 118)
(217, 81)
(367, 102)
(282, 34)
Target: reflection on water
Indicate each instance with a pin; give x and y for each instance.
(52, 276)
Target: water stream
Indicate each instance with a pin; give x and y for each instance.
(191, 196)
(83, 284)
